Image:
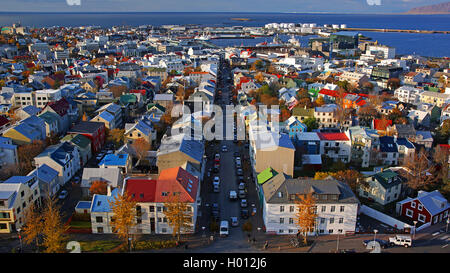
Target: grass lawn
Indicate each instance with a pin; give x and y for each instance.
(98, 246)
(80, 224)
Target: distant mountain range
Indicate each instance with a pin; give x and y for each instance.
(443, 8)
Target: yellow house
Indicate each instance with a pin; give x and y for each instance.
(16, 195)
(434, 98)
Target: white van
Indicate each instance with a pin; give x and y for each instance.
(223, 228)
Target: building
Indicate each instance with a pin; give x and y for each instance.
(426, 208)
(63, 157)
(83, 144)
(408, 94)
(95, 131)
(336, 205)
(112, 176)
(435, 98)
(101, 212)
(120, 161)
(16, 194)
(336, 146)
(110, 114)
(8, 152)
(383, 187)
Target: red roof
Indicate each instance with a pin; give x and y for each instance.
(3, 120)
(177, 180)
(143, 190)
(60, 107)
(333, 136)
(380, 124)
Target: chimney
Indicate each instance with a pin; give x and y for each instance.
(108, 190)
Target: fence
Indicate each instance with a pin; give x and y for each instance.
(388, 220)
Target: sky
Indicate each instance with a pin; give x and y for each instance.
(330, 6)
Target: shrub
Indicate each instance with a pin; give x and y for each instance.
(144, 245)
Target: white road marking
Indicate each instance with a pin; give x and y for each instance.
(444, 245)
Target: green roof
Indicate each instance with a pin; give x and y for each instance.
(77, 139)
(128, 98)
(265, 175)
(384, 177)
(49, 117)
(157, 105)
(300, 111)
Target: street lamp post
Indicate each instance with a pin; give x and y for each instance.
(375, 235)
(448, 220)
(414, 234)
(203, 235)
(129, 243)
(20, 238)
(337, 246)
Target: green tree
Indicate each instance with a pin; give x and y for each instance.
(311, 123)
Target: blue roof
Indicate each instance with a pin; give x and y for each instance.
(424, 134)
(58, 152)
(403, 141)
(84, 205)
(46, 173)
(28, 131)
(387, 144)
(285, 141)
(31, 110)
(106, 116)
(18, 179)
(193, 148)
(114, 160)
(100, 203)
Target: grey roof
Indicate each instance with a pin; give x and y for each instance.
(299, 186)
(192, 148)
(111, 175)
(432, 201)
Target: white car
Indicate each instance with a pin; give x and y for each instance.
(243, 203)
(401, 240)
(233, 195)
(216, 179)
(234, 221)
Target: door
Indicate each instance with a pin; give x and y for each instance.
(152, 225)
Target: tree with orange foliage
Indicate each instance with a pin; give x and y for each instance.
(124, 210)
(306, 215)
(319, 101)
(98, 187)
(141, 147)
(53, 227)
(27, 153)
(268, 100)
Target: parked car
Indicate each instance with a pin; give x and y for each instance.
(217, 158)
(241, 186)
(63, 194)
(223, 228)
(383, 243)
(243, 203)
(224, 148)
(239, 171)
(236, 154)
(234, 221)
(401, 240)
(242, 194)
(244, 213)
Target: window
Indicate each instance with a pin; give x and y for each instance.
(324, 208)
(281, 208)
(99, 219)
(158, 209)
(164, 220)
(421, 218)
(99, 229)
(281, 220)
(419, 206)
(341, 220)
(281, 231)
(159, 219)
(409, 213)
(322, 220)
(291, 220)
(3, 226)
(152, 208)
(164, 230)
(291, 231)
(333, 208)
(331, 220)
(342, 208)
(340, 230)
(321, 231)
(22, 193)
(291, 209)
(330, 231)
(413, 204)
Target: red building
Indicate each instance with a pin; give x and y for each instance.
(95, 131)
(427, 207)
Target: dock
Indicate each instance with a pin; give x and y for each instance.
(399, 30)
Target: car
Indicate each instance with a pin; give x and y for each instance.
(199, 201)
(223, 228)
(239, 171)
(216, 179)
(224, 148)
(238, 165)
(215, 207)
(243, 203)
(234, 221)
(383, 243)
(244, 213)
(242, 194)
(241, 186)
(236, 154)
(233, 195)
(217, 158)
(401, 240)
(63, 194)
